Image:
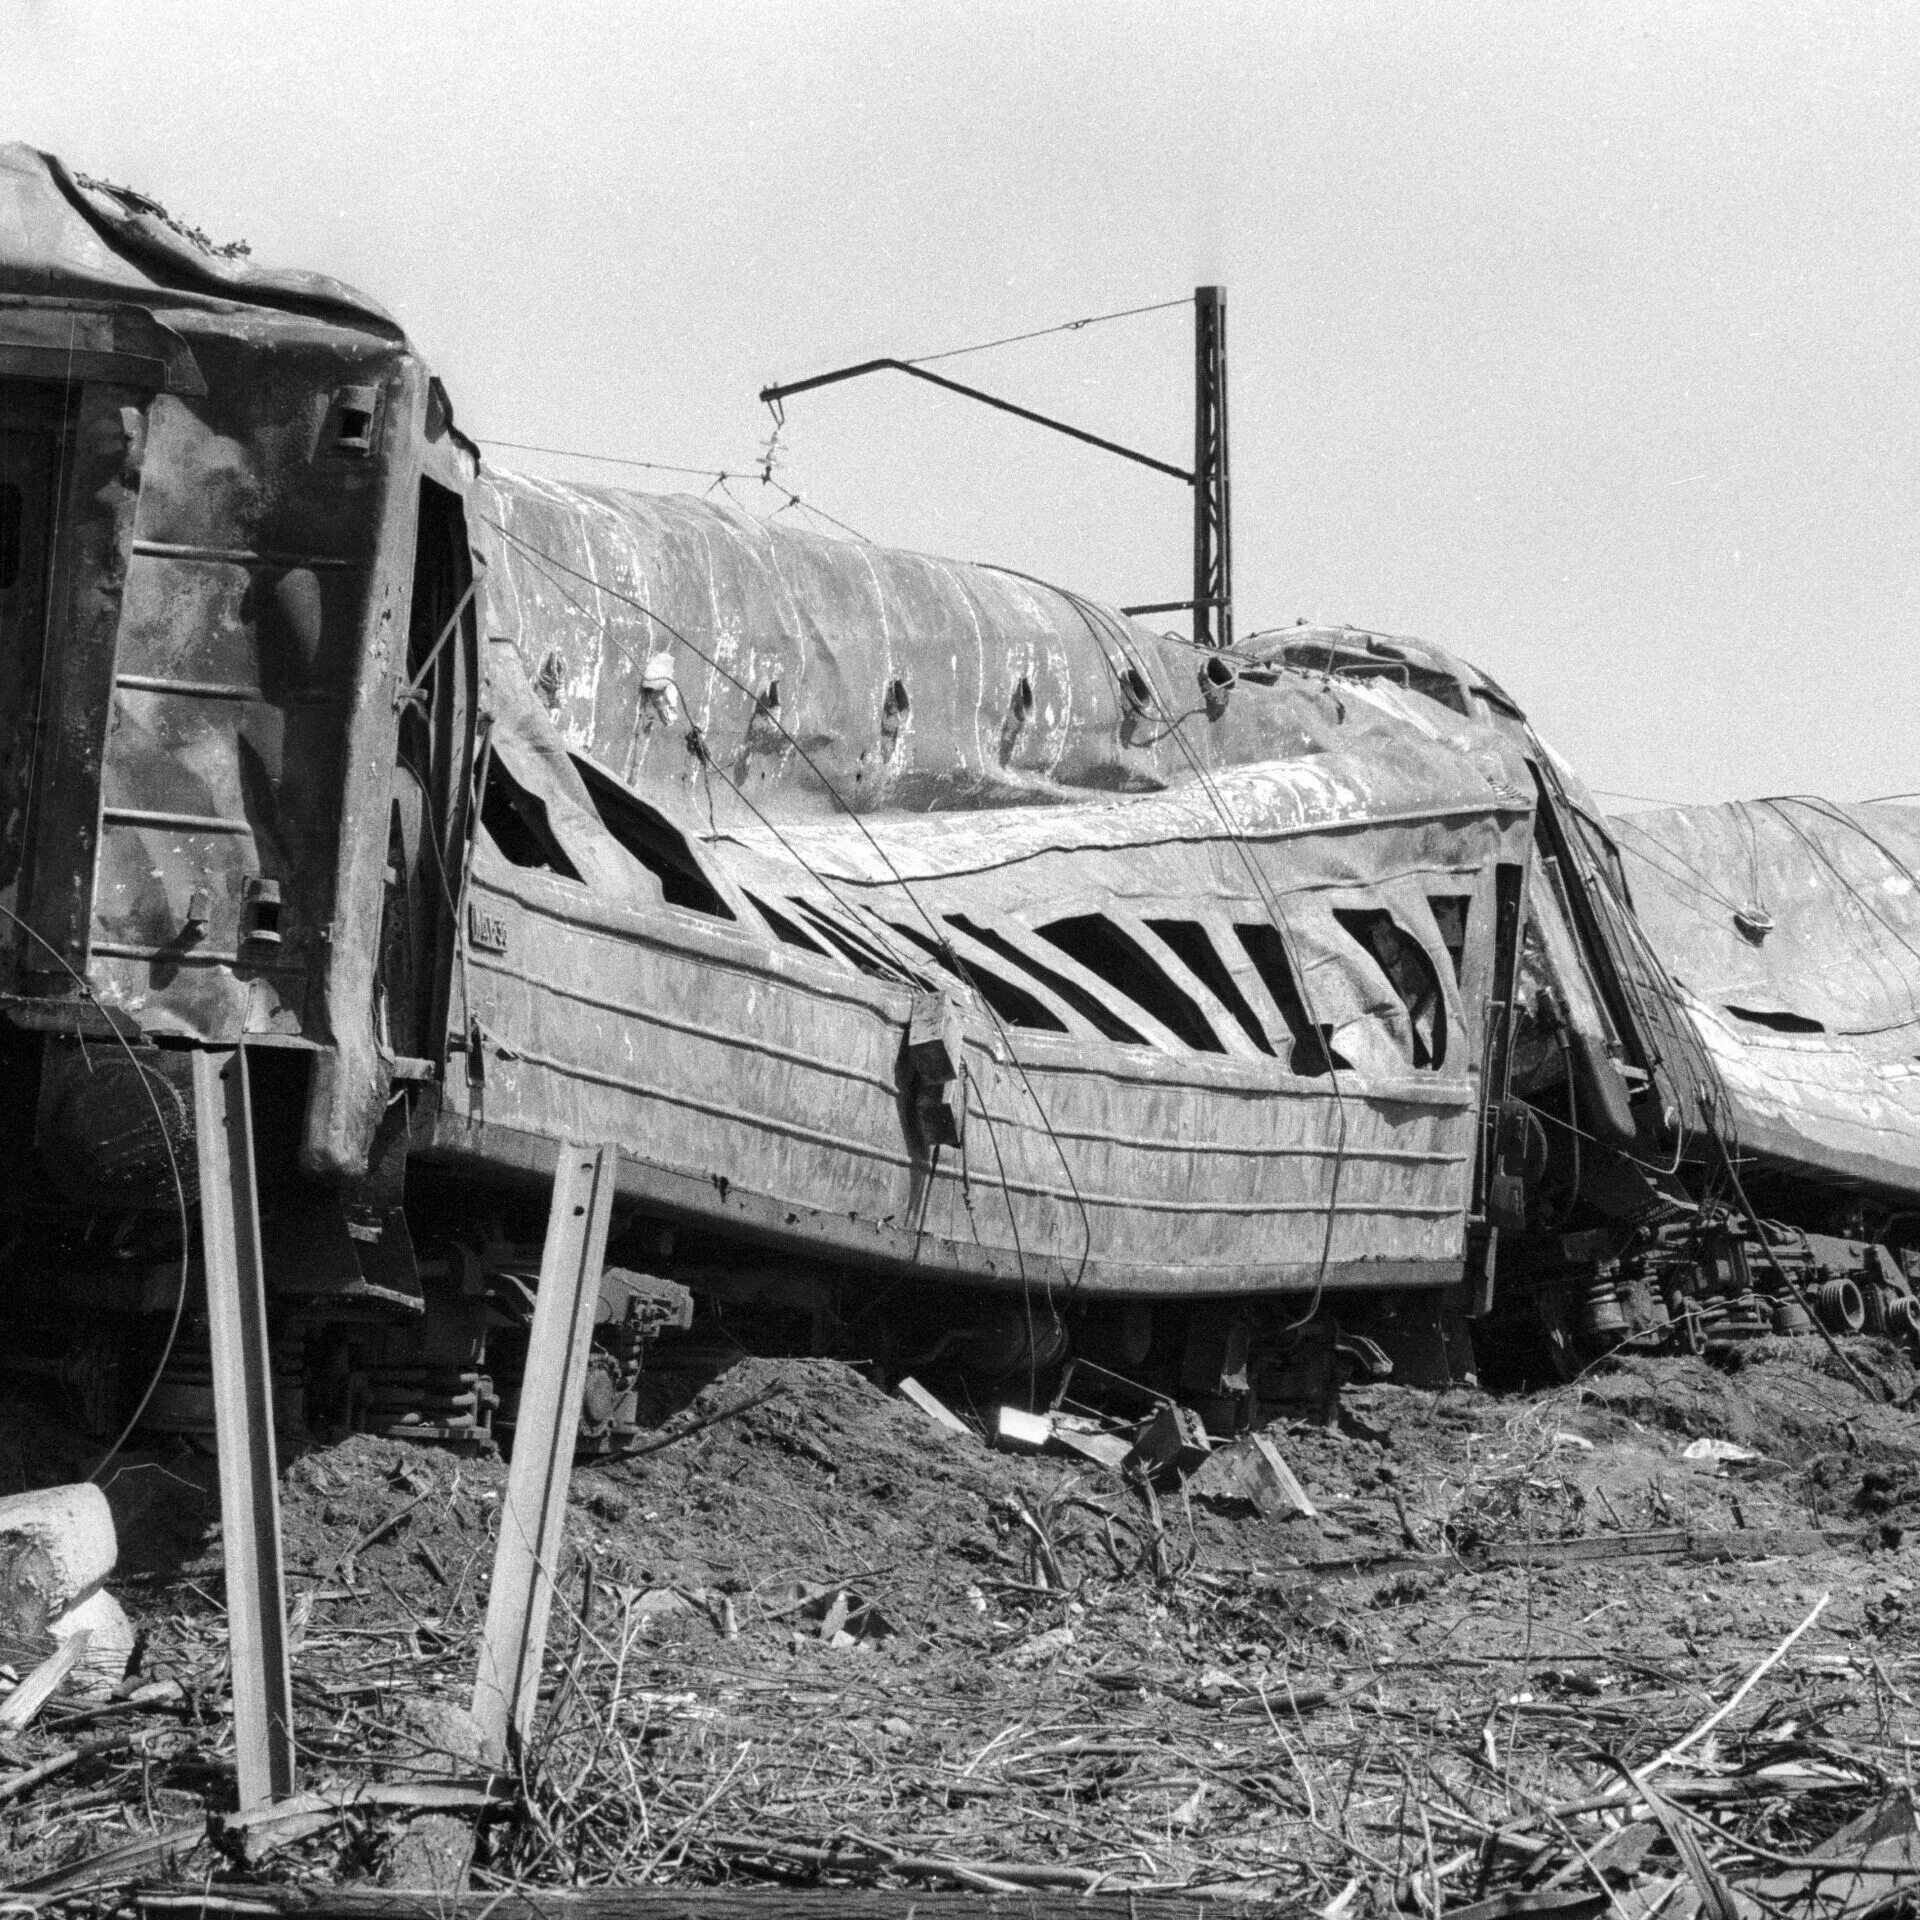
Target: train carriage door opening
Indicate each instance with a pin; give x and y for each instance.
(426, 826)
(31, 418)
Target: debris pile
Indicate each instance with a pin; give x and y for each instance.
(1450, 1653)
(57, 1547)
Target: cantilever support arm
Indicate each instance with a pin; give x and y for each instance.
(774, 395)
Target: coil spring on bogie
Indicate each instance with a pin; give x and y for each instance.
(1892, 1313)
(1603, 1320)
(1841, 1306)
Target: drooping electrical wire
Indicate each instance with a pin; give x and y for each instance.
(1700, 882)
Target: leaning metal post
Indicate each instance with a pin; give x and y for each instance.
(243, 1426)
(507, 1685)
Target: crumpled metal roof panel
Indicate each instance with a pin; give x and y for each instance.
(826, 675)
(62, 236)
(1793, 925)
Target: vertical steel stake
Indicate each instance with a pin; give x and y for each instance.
(507, 1686)
(243, 1425)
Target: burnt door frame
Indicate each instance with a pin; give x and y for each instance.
(437, 708)
(30, 411)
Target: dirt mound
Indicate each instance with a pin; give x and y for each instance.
(808, 1636)
(821, 1477)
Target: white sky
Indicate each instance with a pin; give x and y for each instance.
(1579, 340)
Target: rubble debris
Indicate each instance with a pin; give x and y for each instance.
(1038, 1898)
(1171, 1439)
(938, 1650)
(688, 1428)
(106, 1639)
(1042, 1647)
(1250, 1472)
(57, 1546)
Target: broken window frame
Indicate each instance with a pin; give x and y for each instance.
(598, 779)
(1106, 937)
(1067, 995)
(531, 812)
(1310, 1054)
(1239, 1020)
(788, 930)
(1005, 999)
(1430, 1044)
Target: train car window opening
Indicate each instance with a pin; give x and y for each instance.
(1195, 951)
(1090, 1007)
(868, 959)
(1014, 1005)
(655, 842)
(1410, 973)
(785, 930)
(354, 410)
(1313, 1053)
(1126, 966)
(1777, 1022)
(942, 957)
(1450, 911)
(13, 520)
(517, 824)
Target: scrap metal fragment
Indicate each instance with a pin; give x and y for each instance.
(1019, 1431)
(1170, 1437)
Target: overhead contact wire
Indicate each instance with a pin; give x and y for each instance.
(1041, 333)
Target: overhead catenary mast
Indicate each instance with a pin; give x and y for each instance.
(1212, 516)
(1212, 601)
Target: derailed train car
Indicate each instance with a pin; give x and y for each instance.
(965, 972)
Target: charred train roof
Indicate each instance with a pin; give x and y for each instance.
(819, 672)
(65, 235)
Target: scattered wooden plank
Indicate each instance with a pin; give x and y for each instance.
(934, 1408)
(1284, 1479)
(1108, 1450)
(33, 1693)
(1746, 1543)
(693, 1903)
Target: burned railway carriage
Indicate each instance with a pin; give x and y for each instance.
(962, 970)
